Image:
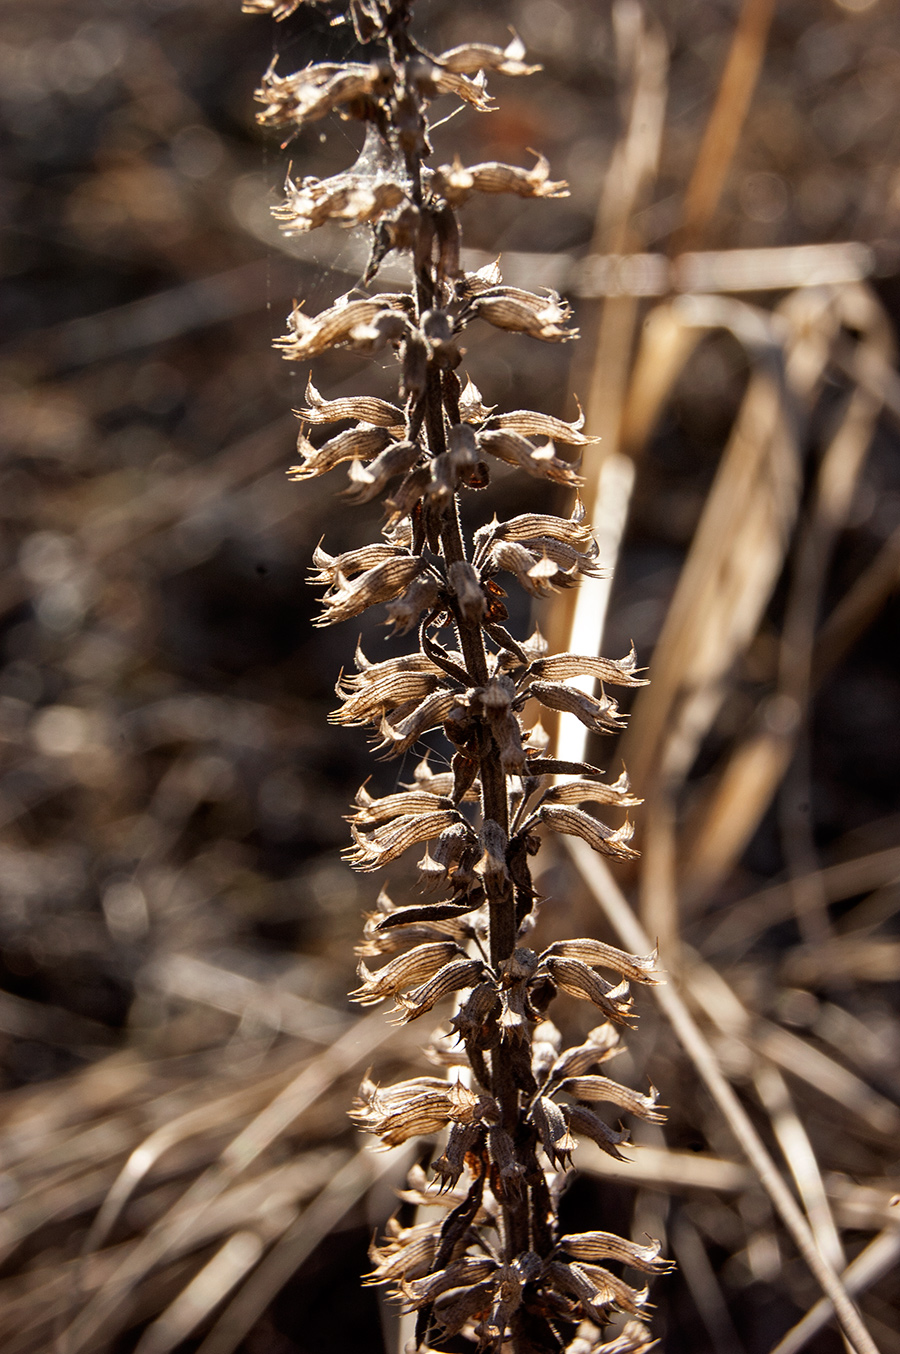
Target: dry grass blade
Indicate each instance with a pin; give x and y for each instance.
(857, 608)
(740, 543)
(297, 1244)
(726, 122)
(748, 918)
(98, 1320)
(643, 69)
(878, 1258)
(800, 1157)
(227, 1268)
(701, 1279)
(192, 979)
(623, 921)
(731, 809)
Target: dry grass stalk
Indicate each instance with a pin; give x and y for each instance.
(495, 1267)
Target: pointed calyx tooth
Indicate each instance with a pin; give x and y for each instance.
(553, 1131)
(420, 597)
(465, 584)
(471, 408)
(476, 1019)
(450, 858)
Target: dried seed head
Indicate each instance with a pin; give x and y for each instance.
(511, 1123)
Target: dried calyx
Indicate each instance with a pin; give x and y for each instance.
(496, 1268)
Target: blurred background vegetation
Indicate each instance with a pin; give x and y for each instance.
(176, 925)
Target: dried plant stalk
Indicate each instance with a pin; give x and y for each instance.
(495, 1269)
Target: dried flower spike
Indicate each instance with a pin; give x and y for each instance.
(495, 1269)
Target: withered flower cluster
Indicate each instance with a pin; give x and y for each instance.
(509, 1100)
